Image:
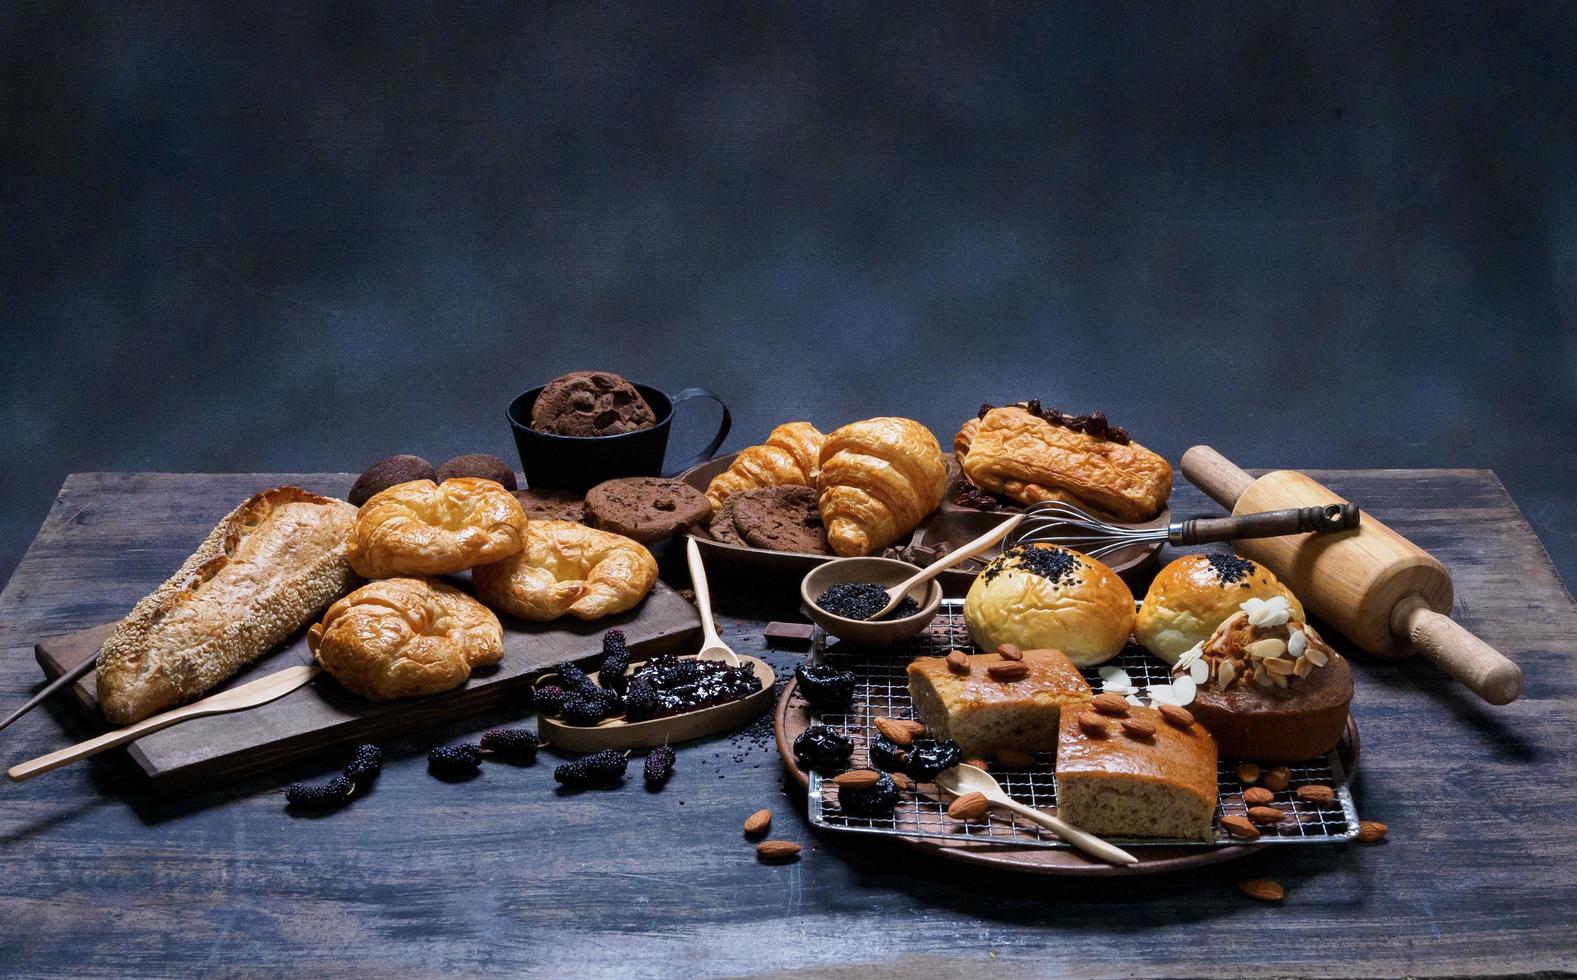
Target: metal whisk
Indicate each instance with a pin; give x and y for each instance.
(1056, 522)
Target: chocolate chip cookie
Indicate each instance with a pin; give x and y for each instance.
(590, 403)
(781, 518)
(646, 508)
(552, 505)
(722, 524)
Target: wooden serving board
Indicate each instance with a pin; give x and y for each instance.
(321, 715)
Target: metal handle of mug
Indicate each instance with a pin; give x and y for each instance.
(717, 440)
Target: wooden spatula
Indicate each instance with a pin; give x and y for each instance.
(250, 695)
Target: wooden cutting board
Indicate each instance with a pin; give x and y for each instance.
(322, 715)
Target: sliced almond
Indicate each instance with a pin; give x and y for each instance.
(1010, 651)
(1370, 831)
(1248, 772)
(1316, 656)
(1262, 678)
(1225, 674)
(1303, 667)
(1319, 795)
(1277, 778)
(857, 778)
(1014, 759)
(1262, 890)
(1266, 649)
(1177, 716)
(1110, 704)
(1296, 643)
(1008, 670)
(1258, 796)
(1281, 666)
(757, 823)
(1264, 815)
(1240, 827)
(969, 808)
(777, 850)
(1139, 729)
(894, 732)
(1092, 725)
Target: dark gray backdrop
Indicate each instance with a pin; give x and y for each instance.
(300, 236)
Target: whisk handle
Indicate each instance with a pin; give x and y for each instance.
(1267, 524)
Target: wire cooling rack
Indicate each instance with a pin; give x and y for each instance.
(882, 691)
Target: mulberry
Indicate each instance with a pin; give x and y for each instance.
(452, 761)
(615, 661)
(597, 769)
(512, 743)
(819, 747)
(365, 765)
(583, 709)
(550, 699)
(875, 800)
(320, 796)
(579, 685)
(825, 687)
(659, 766)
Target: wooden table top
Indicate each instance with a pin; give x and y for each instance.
(503, 875)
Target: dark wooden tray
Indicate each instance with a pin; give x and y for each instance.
(321, 715)
(950, 523)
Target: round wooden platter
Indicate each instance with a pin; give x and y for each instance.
(616, 733)
(791, 717)
(949, 523)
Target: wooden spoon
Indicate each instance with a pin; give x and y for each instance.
(965, 778)
(984, 542)
(712, 645)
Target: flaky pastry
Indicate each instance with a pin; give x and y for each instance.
(879, 478)
(568, 569)
(427, 528)
(405, 637)
(791, 456)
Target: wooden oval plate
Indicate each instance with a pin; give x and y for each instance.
(616, 733)
(791, 718)
(949, 523)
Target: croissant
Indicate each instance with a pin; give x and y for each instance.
(567, 568)
(791, 456)
(1020, 454)
(879, 478)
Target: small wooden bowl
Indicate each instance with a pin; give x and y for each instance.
(884, 572)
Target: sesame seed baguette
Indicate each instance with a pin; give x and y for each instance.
(270, 566)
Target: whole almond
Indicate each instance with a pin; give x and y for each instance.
(1258, 796)
(904, 783)
(757, 823)
(1109, 704)
(1262, 889)
(1139, 729)
(1240, 827)
(980, 764)
(914, 728)
(1316, 794)
(858, 778)
(777, 850)
(969, 807)
(1014, 759)
(1092, 725)
(1248, 772)
(1278, 778)
(1008, 670)
(1263, 815)
(894, 732)
(1181, 717)
(958, 662)
(1370, 831)
(1010, 651)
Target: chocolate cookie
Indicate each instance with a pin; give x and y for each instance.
(722, 525)
(646, 508)
(590, 403)
(552, 505)
(781, 518)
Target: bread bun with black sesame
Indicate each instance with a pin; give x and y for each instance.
(1044, 596)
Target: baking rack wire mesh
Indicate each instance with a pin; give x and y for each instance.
(882, 691)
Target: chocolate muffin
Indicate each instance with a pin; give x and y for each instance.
(591, 403)
(646, 508)
(390, 471)
(479, 465)
(781, 518)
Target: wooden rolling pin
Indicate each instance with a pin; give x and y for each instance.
(1384, 593)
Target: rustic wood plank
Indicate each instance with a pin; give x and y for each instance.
(503, 875)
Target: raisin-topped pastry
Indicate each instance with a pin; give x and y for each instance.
(1029, 455)
(1269, 687)
(1195, 594)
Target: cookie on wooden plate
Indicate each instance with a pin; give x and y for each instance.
(646, 508)
(783, 518)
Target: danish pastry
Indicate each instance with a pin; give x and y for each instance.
(427, 528)
(879, 478)
(405, 637)
(791, 456)
(568, 569)
(1030, 455)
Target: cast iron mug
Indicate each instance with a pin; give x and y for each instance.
(555, 462)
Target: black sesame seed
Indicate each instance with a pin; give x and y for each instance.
(1055, 564)
(862, 600)
(1231, 569)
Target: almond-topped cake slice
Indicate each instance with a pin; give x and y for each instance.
(1141, 775)
(996, 703)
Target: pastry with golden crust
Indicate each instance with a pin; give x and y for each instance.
(405, 637)
(791, 456)
(427, 528)
(1030, 455)
(568, 569)
(879, 479)
(1140, 774)
(983, 713)
(1043, 596)
(264, 571)
(1193, 595)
